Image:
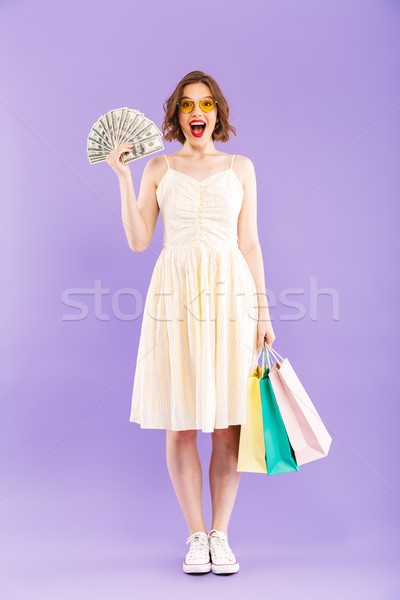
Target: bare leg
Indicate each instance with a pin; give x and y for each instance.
(224, 478)
(184, 468)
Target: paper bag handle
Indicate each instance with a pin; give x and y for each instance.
(274, 352)
(266, 354)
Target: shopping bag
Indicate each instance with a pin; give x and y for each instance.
(279, 454)
(307, 433)
(251, 456)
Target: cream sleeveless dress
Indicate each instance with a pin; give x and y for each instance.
(198, 342)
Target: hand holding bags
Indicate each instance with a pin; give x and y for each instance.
(306, 431)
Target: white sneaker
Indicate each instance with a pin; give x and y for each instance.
(222, 558)
(198, 557)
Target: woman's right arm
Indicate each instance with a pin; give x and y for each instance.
(139, 217)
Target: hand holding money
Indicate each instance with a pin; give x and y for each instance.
(115, 159)
(118, 127)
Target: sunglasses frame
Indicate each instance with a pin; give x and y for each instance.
(194, 104)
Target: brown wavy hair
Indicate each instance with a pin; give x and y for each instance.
(171, 129)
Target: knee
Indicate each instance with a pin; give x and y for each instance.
(227, 435)
(179, 437)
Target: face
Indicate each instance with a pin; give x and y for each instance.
(201, 134)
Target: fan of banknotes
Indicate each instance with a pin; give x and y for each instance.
(123, 125)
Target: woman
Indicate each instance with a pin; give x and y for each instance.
(199, 341)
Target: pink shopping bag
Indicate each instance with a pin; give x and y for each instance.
(306, 432)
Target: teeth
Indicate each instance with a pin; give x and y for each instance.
(197, 123)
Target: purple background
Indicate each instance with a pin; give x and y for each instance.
(87, 507)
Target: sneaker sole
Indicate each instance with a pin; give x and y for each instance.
(223, 569)
(199, 568)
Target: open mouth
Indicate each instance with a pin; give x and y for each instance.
(198, 129)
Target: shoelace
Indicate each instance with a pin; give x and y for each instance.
(198, 546)
(220, 546)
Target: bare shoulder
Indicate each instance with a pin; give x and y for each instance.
(244, 169)
(155, 169)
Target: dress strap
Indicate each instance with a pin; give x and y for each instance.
(232, 160)
(166, 160)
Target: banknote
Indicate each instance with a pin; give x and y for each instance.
(122, 125)
(143, 148)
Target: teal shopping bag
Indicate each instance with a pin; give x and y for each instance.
(279, 453)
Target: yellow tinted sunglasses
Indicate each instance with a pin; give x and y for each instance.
(187, 106)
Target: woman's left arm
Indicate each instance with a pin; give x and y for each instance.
(249, 245)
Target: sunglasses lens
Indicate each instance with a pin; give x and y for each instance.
(186, 106)
(207, 104)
